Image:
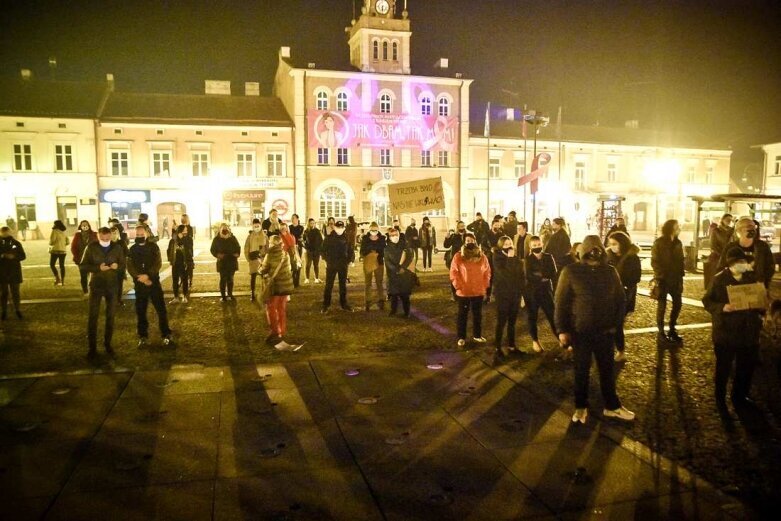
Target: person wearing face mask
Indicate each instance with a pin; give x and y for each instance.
(11, 257)
(372, 253)
(180, 255)
(143, 220)
(412, 239)
(619, 226)
(79, 244)
(470, 275)
(116, 238)
(667, 263)
(491, 246)
(748, 240)
(590, 303)
(58, 241)
(735, 333)
(480, 228)
(271, 224)
(720, 235)
(254, 250)
(540, 272)
(144, 263)
(313, 241)
(454, 241)
(428, 241)
(399, 263)
(509, 283)
(102, 259)
(622, 255)
(276, 264)
(297, 231)
(336, 253)
(510, 226)
(225, 247)
(559, 244)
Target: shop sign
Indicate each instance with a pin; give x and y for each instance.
(87, 201)
(281, 206)
(244, 195)
(125, 196)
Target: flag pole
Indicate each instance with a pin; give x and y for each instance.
(558, 136)
(488, 161)
(525, 162)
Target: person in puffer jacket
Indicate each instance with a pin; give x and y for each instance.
(590, 303)
(470, 275)
(622, 255)
(276, 265)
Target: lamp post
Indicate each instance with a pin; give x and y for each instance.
(536, 120)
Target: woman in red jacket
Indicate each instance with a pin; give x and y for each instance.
(470, 274)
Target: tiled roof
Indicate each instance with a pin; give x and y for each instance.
(188, 109)
(45, 98)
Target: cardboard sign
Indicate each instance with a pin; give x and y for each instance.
(416, 196)
(747, 296)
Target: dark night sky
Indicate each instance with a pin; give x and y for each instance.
(712, 68)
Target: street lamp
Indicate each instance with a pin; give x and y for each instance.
(663, 173)
(535, 120)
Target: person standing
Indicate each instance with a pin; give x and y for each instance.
(180, 255)
(470, 275)
(622, 255)
(619, 226)
(490, 246)
(540, 273)
(58, 242)
(166, 234)
(11, 257)
(289, 247)
(313, 242)
(590, 302)
(559, 244)
(121, 272)
(103, 260)
(412, 239)
(428, 241)
(191, 239)
(23, 226)
(226, 249)
(372, 255)
(276, 266)
(748, 240)
(336, 252)
(351, 232)
(399, 263)
(735, 332)
(254, 249)
(79, 244)
(271, 224)
(454, 241)
(297, 231)
(667, 263)
(480, 228)
(510, 226)
(522, 240)
(720, 235)
(509, 283)
(143, 221)
(144, 262)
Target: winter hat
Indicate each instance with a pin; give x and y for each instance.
(590, 243)
(256, 221)
(339, 224)
(737, 254)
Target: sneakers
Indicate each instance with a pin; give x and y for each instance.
(620, 356)
(622, 413)
(306, 281)
(142, 342)
(318, 281)
(85, 296)
(183, 300)
(174, 300)
(461, 342)
(673, 336)
(324, 311)
(349, 309)
(167, 340)
(580, 416)
(536, 347)
(479, 340)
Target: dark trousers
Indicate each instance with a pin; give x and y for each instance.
(154, 293)
(404, 303)
(226, 283)
(95, 297)
(330, 276)
(620, 338)
(507, 314)
(120, 284)
(464, 305)
(313, 259)
(53, 259)
(179, 278)
(745, 359)
(84, 280)
(600, 345)
(675, 293)
(427, 256)
(540, 299)
(11, 288)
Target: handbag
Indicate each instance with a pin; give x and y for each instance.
(267, 283)
(655, 289)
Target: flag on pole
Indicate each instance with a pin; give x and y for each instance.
(539, 169)
(487, 128)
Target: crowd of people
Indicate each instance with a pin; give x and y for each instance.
(585, 290)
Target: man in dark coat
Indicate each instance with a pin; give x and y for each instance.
(735, 332)
(540, 273)
(144, 262)
(510, 226)
(11, 257)
(412, 239)
(336, 253)
(399, 262)
(749, 241)
(180, 255)
(509, 284)
(480, 228)
(372, 255)
(103, 260)
(720, 235)
(313, 242)
(454, 240)
(590, 304)
(667, 263)
(559, 244)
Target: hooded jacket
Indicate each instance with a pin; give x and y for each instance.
(589, 299)
(94, 256)
(736, 328)
(470, 273)
(283, 281)
(559, 246)
(629, 271)
(313, 240)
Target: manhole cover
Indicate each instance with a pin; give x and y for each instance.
(62, 390)
(352, 372)
(580, 476)
(515, 425)
(435, 366)
(272, 452)
(440, 500)
(168, 383)
(368, 400)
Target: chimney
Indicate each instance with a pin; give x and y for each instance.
(219, 87)
(251, 88)
(441, 63)
(110, 81)
(284, 52)
(27, 74)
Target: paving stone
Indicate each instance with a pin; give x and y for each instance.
(344, 400)
(675, 507)
(168, 413)
(149, 385)
(10, 389)
(329, 493)
(26, 508)
(41, 469)
(512, 429)
(297, 406)
(50, 420)
(391, 370)
(65, 389)
(191, 501)
(269, 376)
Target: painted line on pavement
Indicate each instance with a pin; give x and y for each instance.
(642, 330)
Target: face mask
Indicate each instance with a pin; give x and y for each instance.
(593, 255)
(140, 240)
(339, 231)
(510, 252)
(615, 249)
(470, 246)
(750, 234)
(461, 230)
(224, 233)
(537, 251)
(394, 239)
(739, 268)
(256, 228)
(105, 244)
(373, 232)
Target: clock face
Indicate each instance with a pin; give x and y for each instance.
(382, 6)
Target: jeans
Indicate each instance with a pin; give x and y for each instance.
(427, 256)
(330, 276)
(154, 293)
(539, 299)
(53, 259)
(745, 359)
(84, 280)
(675, 291)
(464, 305)
(226, 283)
(276, 314)
(507, 314)
(601, 346)
(179, 277)
(405, 305)
(313, 259)
(96, 295)
(377, 275)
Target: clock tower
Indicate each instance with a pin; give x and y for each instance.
(380, 38)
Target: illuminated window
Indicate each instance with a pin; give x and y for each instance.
(322, 156)
(425, 106)
(580, 175)
(275, 164)
(333, 203)
(425, 158)
(63, 158)
(612, 170)
(245, 164)
(777, 171)
(200, 164)
(119, 160)
(341, 102)
(385, 51)
(322, 100)
(376, 50)
(691, 173)
(520, 167)
(23, 158)
(710, 170)
(343, 156)
(385, 104)
(494, 170)
(444, 158)
(385, 157)
(395, 51)
(161, 163)
(444, 106)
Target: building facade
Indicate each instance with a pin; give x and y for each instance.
(772, 168)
